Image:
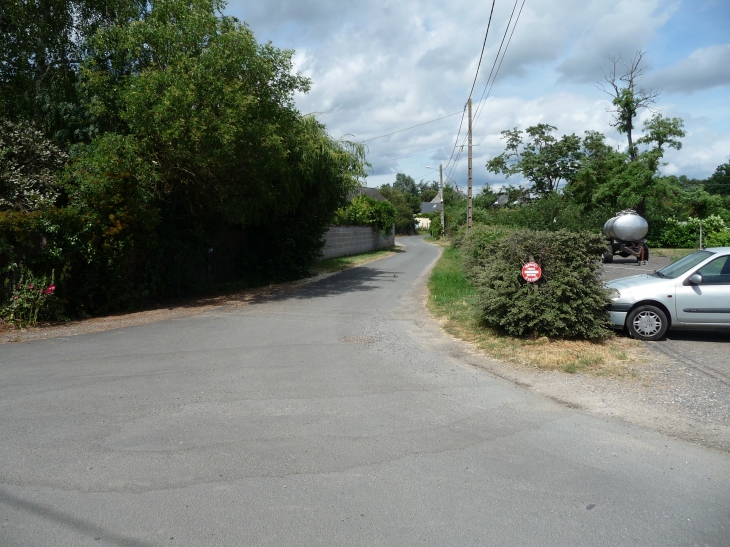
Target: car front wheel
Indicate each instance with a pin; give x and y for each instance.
(647, 323)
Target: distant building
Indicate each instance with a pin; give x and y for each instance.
(430, 207)
(369, 192)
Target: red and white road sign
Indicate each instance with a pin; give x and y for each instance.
(531, 272)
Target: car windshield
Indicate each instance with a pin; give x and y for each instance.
(683, 264)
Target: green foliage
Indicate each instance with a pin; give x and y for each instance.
(718, 239)
(569, 300)
(543, 160)
(719, 182)
(41, 46)
(28, 296)
(686, 234)
(406, 205)
(366, 211)
(197, 152)
(29, 164)
(550, 212)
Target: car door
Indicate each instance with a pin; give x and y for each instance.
(707, 302)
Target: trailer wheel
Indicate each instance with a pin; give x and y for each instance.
(607, 258)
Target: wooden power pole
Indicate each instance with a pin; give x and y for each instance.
(441, 187)
(468, 193)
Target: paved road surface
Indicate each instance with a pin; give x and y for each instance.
(335, 415)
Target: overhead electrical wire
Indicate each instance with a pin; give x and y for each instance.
(412, 127)
(482, 100)
(412, 155)
(476, 75)
(486, 34)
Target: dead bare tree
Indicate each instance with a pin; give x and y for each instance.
(622, 83)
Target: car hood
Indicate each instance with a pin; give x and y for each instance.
(644, 280)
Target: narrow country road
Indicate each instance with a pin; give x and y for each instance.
(337, 414)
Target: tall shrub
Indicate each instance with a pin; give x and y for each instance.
(569, 300)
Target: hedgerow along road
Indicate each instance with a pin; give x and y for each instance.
(336, 413)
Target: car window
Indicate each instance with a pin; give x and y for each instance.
(716, 272)
(683, 264)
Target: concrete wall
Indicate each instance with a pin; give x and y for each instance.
(352, 240)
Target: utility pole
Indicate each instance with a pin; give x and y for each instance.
(468, 196)
(441, 187)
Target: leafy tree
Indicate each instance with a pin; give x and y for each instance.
(29, 165)
(484, 199)
(543, 160)
(406, 205)
(213, 111)
(629, 97)
(633, 183)
(405, 184)
(599, 162)
(719, 181)
(198, 146)
(41, 46)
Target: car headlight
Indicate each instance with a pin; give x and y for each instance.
(614, 295)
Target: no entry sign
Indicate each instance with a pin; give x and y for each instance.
(531, 272)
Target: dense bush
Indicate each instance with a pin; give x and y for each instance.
(569, 300)
(677, 234)
(718, 239)
(366, 211)
(200, 167)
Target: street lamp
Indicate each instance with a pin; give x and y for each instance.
(441, 191)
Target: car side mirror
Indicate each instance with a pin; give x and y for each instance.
(695, 279)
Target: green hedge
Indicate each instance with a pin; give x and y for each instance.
(569, 301)
(363, 210)
(677, 234)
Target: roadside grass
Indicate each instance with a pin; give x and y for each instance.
(454, 302)
(674, 254)
(332, 265)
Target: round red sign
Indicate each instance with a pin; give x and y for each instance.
(531, 272)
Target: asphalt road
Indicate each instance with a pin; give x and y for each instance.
(337, 414)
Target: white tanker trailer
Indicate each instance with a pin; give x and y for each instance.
(626, 233)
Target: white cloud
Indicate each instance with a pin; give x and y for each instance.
(704, 68)
(380, 66)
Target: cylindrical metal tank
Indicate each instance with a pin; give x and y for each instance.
(626, 226)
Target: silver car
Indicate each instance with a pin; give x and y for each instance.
(693, 291)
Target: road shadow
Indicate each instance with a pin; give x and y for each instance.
(69, 521)
(714, 335)
(358, 279)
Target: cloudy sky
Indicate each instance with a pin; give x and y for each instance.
(378, 66)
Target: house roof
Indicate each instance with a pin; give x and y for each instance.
(370, 192)
(430, 207)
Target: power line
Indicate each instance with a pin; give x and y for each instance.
(489, 23)
(412, 155)
(412, 127)
(480, 107)
(483, 46)
(502, 60)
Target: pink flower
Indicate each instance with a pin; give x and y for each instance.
(30, 287)
(15, 297)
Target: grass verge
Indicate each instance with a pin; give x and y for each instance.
(453, 301)
(674, 254)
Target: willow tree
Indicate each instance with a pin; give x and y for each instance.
(201, 146)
